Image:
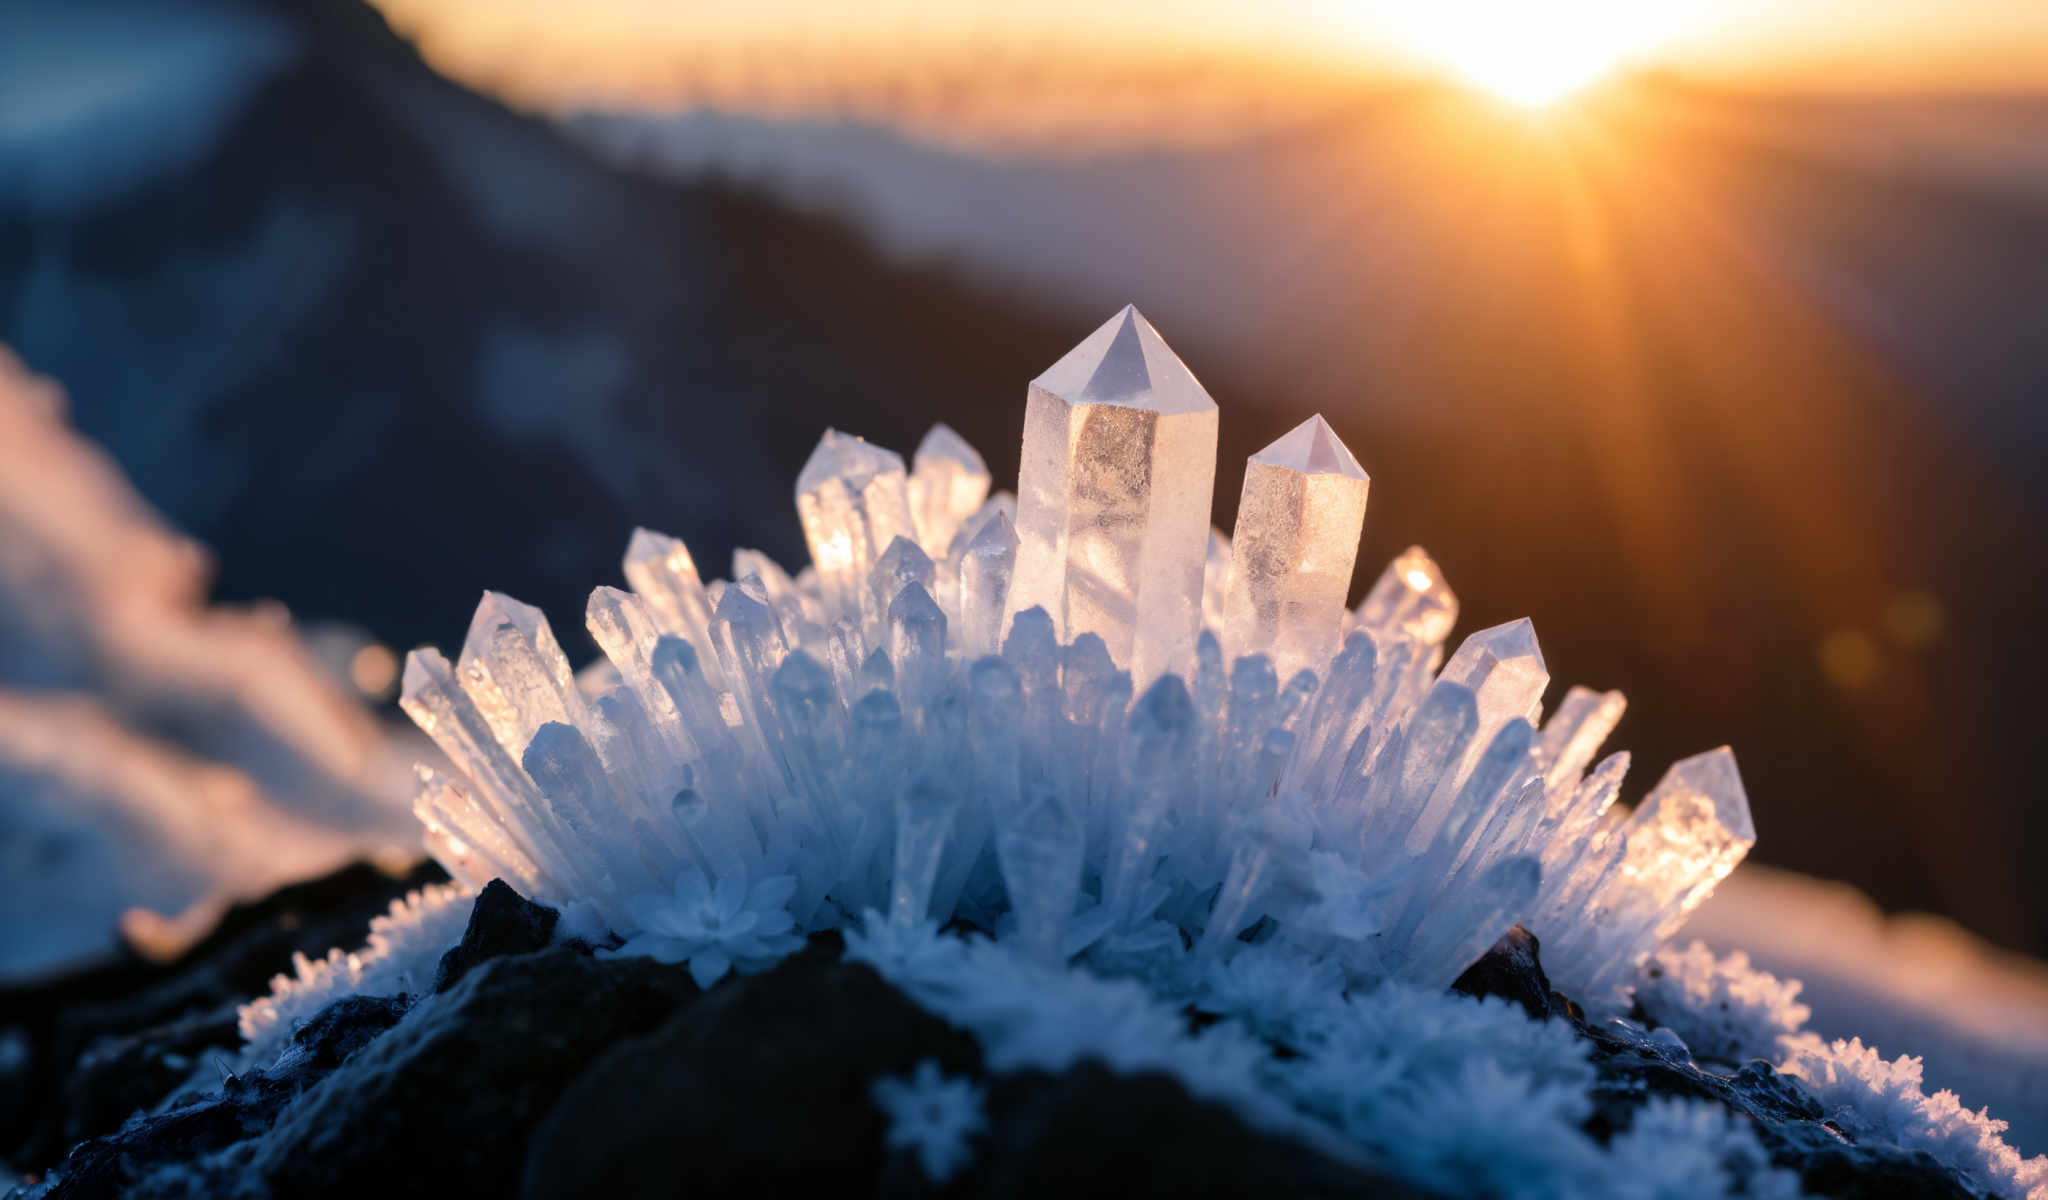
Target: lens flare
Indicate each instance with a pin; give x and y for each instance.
(1531, 54)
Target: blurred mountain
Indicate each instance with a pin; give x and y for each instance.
(1748, 425)
(380, 343)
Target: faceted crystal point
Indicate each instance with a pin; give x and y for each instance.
(1504, 671)
(1298, 522)
(515, 672)
(1411, 599)
(1697, 821)
(1504, 667)
(984, 578)
(948, 482)
(661, 572)
(853, 500)
(1119, 460)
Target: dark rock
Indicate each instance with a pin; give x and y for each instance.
(454, 1091)
(1143, 1134)
(762, 1083)
(346, 1026)
(123, 1073)
(1789, 1120)
(138, 1020)
(503, 922)
(1511, 970)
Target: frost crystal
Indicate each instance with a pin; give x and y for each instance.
(932, 1116)
(715, 927)
(404, 947)
(1722, 1007)
(1081, 720)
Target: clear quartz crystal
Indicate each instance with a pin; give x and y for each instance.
(985, 569)
(948, 482)
(1298, 522)
(1119, 463)
(853, 500)
(1411, 599)
(1503, 669)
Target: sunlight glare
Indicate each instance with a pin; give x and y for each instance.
(1527, 53)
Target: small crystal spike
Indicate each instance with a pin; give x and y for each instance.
(1119, 461)
(853, 500)
(985, 569)
(948, 482)
(1215, 581)
(515, 672)
(661, 572)
(1411, 599)
(1298, 521)
(1503, 668)
(1688, 834)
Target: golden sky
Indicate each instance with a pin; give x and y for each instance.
(565, 54)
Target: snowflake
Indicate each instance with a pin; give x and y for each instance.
(715, 927)
(932, 1116)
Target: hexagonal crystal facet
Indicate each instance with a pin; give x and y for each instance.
(1119, 462)
(1298, 521)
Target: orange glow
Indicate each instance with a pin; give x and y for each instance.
(1532, 54)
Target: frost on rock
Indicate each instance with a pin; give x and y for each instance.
(404, 947)
(1723, 1008)
(932, 1116)
(1871, 1097)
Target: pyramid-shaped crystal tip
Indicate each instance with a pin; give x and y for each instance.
(1503, 643)
(1312, 448)
(845, 457)
(941, 444)
(497, 609)
(1125, 362)
(1715, 776)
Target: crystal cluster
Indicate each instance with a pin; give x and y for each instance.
(1079, 718)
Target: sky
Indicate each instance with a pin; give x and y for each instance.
(1941, 43)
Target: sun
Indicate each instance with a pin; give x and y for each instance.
(1527, 52)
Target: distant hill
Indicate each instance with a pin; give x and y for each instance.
(381, 343)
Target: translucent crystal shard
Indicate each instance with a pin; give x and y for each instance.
(1688, 834)
(1503, 669)
(661, 572)
(1298, 521)
(1119, 460)
(1411, 599)
(948, 482)
(985, 569)
(853, 500)
(516, 673)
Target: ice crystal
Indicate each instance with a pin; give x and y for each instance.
(1722, 1008)
(1873, 1098)
(715, 926)
(1678, 1149)
(932, 1116)
(1010, 712)
(405, 946)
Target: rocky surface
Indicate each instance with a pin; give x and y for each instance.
(92, 1048)
(545, 1069)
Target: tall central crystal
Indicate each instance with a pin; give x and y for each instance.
(1119, 461)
